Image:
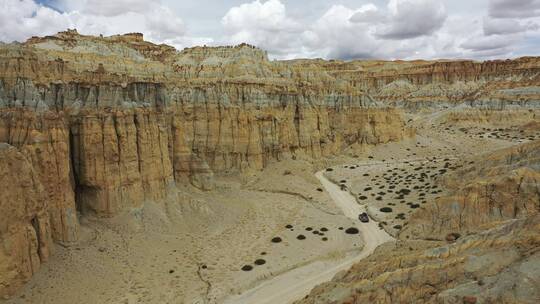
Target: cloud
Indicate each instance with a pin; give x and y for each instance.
(20, 19)
(412, 18)
(368, 13)
(495, 42)
(109, 8)
(341, 32)
(384, 29)
(268, 16)
(514, 8)
(264, 24)
(493, 26)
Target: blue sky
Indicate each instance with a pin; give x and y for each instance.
(344, 29)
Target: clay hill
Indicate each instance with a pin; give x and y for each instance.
(97, 127)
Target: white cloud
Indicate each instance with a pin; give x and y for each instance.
(341, 32)
(267, 16)
(493, 26)
(514, 8)
(368, 13)
(109, 8)
(336, 36)
(264, 24)
(386, 29)
(413, 18)
(20, 19)
(495, 42)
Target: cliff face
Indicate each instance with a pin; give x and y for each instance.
(105, 124)
(423, 84)
(124, 119)
(44, 141)
(25, 230)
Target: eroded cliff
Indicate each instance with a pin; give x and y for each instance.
(101, 125)
(106, 124)
(25, 241)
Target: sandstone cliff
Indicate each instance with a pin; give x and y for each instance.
(25, 230)
(106, 123)
(129, 118)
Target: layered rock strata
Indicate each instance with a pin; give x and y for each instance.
(125, 118)
(106, 123)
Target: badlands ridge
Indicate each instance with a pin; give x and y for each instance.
(136, 173)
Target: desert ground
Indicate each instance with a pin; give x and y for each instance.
(258, 233)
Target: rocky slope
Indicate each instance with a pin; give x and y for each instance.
(495, 266)
(501, 186)
(493, 213)
(105, 124)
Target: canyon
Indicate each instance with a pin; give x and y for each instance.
(118, 146)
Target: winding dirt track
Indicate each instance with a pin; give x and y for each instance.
(294, 284)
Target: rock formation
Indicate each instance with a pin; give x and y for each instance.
(129, 118)
(25, 230)
(492, 224)
(100, 125)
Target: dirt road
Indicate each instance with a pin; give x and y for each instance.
(295, 284)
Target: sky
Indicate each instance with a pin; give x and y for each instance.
(287, 29)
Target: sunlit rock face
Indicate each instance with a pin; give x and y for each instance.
(25, 217)
(126, 118)
(104, 124)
